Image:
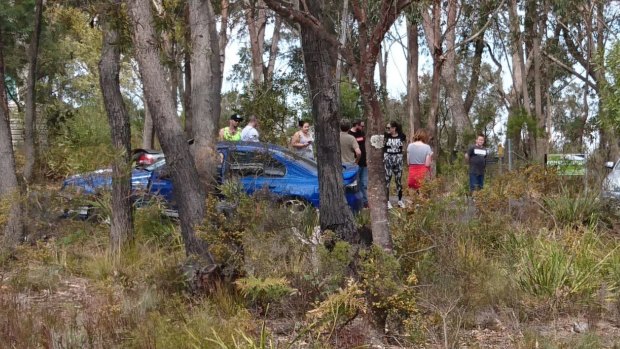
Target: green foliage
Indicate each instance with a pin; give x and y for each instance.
(390, 289)
(611, 92)
(338, 309)
(334, 266)
(520, 121)
(80, 143)
(350, 101)
(269, 105)
(554, 271)
(262, 292)
(568, 209)
(245, 342)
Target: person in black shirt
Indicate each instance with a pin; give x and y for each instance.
(357, 131)
(393, 142)
(476, 157)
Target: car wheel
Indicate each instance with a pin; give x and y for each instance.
(295, 205)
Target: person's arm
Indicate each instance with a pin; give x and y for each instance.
(295, 141)
(356, 148)
(429, 159)
(221, 134)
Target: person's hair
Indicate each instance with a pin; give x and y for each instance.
(252, 118)
(399, 127)
(345, 125)
(481, 135)
(422, 135)
(356, 122)
(302, 122)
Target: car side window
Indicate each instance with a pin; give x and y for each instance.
(255, 164)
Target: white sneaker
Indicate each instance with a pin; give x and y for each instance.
(401, 204)
(389, 205)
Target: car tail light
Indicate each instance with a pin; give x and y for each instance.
(146, 159)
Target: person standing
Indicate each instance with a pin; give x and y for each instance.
(357, 131)
(231, 132)
(476, 157)
(249, 132)
(419, 158)
(393, 143)
(302, 141)
(349, 150)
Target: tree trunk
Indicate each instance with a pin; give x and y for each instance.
(187, 73)
(256, 20)
(30, 114)
(475, 74)
(382, 65)
(206, 88)
(320, 63)
(13, 230)
(223, 35)
(121, 229)
(413, 85)
(432, 32)
(372, 31)
(148, 131)
(540, 134)
(273, 51)
(189, 194)
(456, 104)
(342, 39)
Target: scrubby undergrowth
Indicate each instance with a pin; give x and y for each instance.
(528, 262)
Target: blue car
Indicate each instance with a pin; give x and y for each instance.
(257, 167)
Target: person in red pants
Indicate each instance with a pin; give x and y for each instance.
(419, 157)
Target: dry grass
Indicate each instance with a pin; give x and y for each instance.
(531, 250)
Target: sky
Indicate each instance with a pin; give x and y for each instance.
(396, 68)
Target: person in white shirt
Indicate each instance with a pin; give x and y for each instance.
(249, 132)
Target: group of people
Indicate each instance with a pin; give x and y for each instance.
(232, 132)
(419, 157)
(353, 150)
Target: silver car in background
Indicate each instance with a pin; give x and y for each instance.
(611, 185)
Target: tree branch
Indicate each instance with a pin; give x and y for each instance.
(306, 19)
(570, 70)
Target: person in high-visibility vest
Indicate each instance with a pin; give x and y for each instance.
(232, 131)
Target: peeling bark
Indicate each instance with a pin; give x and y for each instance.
(188, 192)
(121, 228)
(13, 230)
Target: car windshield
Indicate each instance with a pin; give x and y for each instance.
(307, 164)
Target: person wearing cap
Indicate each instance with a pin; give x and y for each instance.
(249, 132)
(232, 132)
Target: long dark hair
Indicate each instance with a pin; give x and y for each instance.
(399, 127)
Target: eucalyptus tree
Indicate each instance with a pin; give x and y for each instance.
(9, 188)
(373, 19)
(121, 228)
(257, 16)
(585, 29)
(320, 60)
(30, 113)
(189, 192)
(206, 86)
(413, 83)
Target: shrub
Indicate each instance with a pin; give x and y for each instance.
(570, 210)
(262, 292)
(339, 309)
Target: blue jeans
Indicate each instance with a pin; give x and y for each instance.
(476, 182)
(363, 178)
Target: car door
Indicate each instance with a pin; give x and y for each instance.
(255, 169)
